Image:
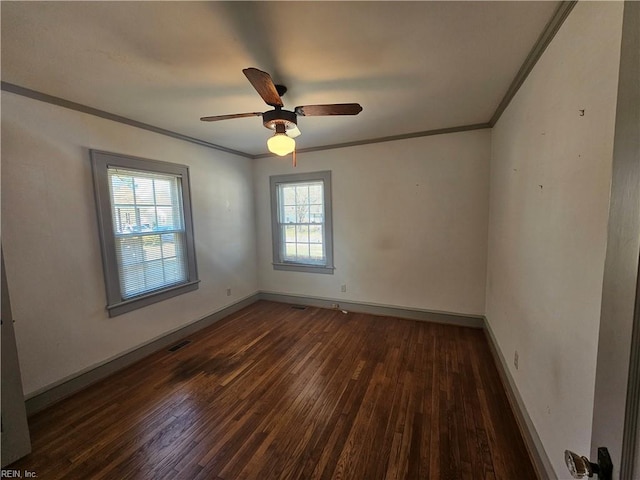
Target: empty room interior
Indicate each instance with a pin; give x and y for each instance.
(356, 240)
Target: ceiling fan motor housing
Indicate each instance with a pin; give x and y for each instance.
(272, 118)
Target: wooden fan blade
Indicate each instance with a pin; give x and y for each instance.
(264, 85)
(215, 118)
(330, 109)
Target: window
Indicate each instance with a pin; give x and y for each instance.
(146, 231)
(301, 222)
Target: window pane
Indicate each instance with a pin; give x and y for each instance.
(288, 195)
(302, 234)
(122, 188)
(315, 194)
(289, 234)
(124, 219)
(316, 214)
(151, 247)
(316, 252)
(147, 217)
(302, 213)
(290, 251)
(154, 274)
(149, 262)
(173, 246)
(289, 215)
(315, 234)
(168, 218)
(302, 194)
(173, 270)
(169, 245)
(163, 192)
(129, 250)
(144, 191)
(132, 280)
(303, 251)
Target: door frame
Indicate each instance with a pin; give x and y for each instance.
(617, 385)
(16, 442)
(630, 461)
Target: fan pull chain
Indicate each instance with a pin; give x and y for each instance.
(295, 163)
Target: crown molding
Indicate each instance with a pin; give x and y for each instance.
(404, 136)
(549, 32)
(61, 102)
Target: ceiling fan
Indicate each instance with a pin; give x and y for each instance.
(284, 122)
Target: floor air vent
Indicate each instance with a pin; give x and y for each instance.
(178, 346)
(299, 307)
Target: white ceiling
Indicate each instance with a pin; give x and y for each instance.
(413, 66)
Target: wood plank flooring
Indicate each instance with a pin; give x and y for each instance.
(273, 392)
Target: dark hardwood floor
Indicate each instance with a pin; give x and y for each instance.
(272, 392)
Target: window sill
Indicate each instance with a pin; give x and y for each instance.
(150, 298)
(297, 267)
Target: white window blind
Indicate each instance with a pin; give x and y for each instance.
(149, 230)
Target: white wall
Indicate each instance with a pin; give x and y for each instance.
(51, 245)
(549, 199)
(410, 223)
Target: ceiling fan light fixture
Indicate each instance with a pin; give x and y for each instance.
(281, 144)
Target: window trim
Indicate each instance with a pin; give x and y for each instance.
(278, 263)
(100, 162)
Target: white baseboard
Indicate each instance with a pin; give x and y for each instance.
(464, 320)
(532, 441)
(51, 394)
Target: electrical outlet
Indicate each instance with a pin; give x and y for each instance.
(515, 359)
(343, 288)
(228, 292)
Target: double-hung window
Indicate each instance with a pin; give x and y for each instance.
(146, 230)
(302, 222)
